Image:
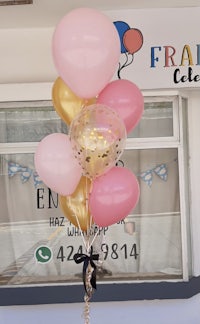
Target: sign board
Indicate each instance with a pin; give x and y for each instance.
(169, 56)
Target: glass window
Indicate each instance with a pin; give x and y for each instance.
(39, 242)
(28, 122)
(157, 120)
(156, 220)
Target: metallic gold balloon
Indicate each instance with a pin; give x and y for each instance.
(75, 206)
(66, 103)
(98, 138)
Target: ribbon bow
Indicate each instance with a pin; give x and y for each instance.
(87, 260)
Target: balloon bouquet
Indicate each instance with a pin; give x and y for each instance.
(81, 167)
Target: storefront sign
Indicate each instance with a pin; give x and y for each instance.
(160, 48)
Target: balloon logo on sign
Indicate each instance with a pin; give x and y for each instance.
(131, 42)
(81, 166)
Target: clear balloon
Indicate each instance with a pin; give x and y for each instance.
(56, 165)
(113, 196)
(66, 103)
(86, 51)
(75, 206)
(126, 99)
(98, 137)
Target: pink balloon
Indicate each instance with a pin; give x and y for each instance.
(113, 196)
(124, 97)
(56, 165)
(86, 51)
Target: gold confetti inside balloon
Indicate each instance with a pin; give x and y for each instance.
(75, 206)
(98, 137)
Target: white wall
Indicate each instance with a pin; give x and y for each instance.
(138, 312)
(26, 55)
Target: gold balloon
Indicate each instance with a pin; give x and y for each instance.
(66, 103)
(75, 206)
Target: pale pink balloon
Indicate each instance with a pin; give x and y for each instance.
(56, 165)
(126, 98)
(113, 196)
(86, 51)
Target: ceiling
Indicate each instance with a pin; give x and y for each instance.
(47, 13)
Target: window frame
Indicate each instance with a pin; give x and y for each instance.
(38, 92)
(175, 141)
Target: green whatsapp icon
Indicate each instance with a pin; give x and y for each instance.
(43, 254)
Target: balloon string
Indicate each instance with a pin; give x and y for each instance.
(121, 67)
(88, 295)
(89, 224)
(94, 238)
(87, 205)
(131, 61)
(82, 236)
(86, 241)
(90, 218)
(126, 63)
(88, 202)
(84, 105)
(87, 309)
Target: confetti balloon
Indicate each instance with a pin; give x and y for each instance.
(98, 137)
